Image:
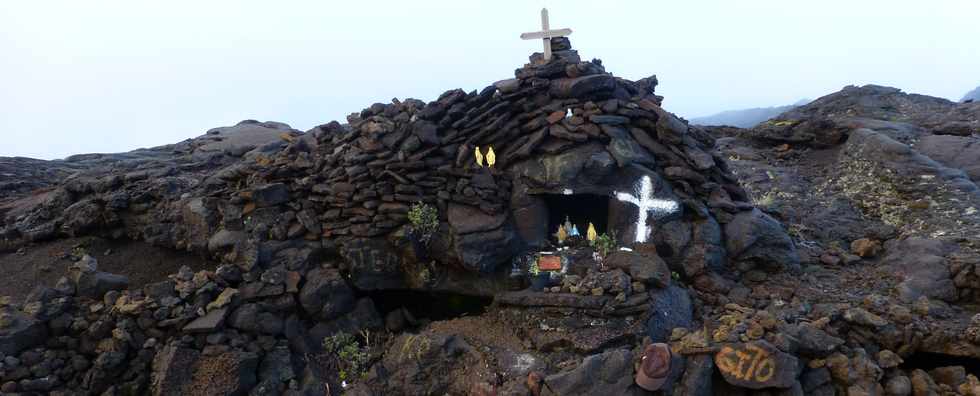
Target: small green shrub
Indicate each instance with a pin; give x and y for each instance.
(604, 244)
(533, 268)
(352, 360)
(779, 123)
(425, 221)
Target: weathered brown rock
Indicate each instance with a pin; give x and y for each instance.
(865, 247)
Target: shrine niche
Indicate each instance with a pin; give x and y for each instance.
(582, 185)
(579, 210)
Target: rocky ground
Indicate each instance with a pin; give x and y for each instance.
(831, 250)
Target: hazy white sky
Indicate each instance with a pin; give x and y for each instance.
(108, 76)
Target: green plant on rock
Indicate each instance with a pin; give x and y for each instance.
(779, 123)
(533, 268)
(604, 244)
(424, 220)
(352, 359)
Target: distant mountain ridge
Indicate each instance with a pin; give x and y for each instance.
(972, 95)
(746, 118)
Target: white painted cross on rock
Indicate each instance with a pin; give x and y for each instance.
(546, 34)
(645, 202)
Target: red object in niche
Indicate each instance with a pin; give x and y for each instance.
(549, 263)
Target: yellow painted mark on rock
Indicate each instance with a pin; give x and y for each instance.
(749, 364)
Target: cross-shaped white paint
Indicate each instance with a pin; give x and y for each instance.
(546, 34)
(646, 202)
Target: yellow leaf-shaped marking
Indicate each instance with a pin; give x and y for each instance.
(479, 156)
(591, 234)
(491, 157)
(562, 234)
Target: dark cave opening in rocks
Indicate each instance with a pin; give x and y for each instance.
(928, 361)
(429, 305)
(580, 210)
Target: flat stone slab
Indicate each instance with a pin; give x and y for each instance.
(209, 322)
(609, 373)
(528, 298)
(590, 339)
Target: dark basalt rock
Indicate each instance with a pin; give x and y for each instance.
(759, 365)
(304, 225)
(670, 308)
(325, 294)
(179, 370)
(559, 125)
(18, 331)
(606, 372)
(754, 238)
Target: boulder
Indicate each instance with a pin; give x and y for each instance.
(364, 316)
(225, 239)
(922, 266)
(275, 370)
(757, 365)
(82, 216)
(243, 137)
(922, 383)
(270, 195)
(253, 319)
(178, 371)
(326, 295)
(92, 283)
(18, 331)
(697, 377)
(865, 247)
(649, 269)
(596, 86)
(961, 152)
(898, 385)
(815, 341)
(484, 251)
(954, 376)
(755, 238)
(670, 308)
(207, 323)
(173, 369)
(465, 219)
(613, 282)
(625, 149)
(610, 372)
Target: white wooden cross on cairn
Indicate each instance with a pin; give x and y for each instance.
(545, 34)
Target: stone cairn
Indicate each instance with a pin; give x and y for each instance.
(301, 226)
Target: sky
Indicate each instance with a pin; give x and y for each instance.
(112, 76)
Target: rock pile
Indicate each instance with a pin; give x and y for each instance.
(558, 127)
(192, 334)
(303, 223)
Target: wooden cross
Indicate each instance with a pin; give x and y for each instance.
(545, 34)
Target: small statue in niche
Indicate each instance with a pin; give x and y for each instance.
(491, 157)
(478, 155)
(561, 234)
